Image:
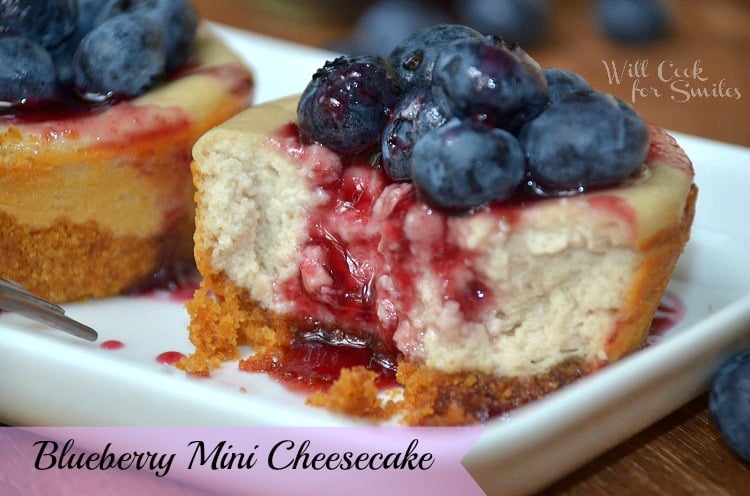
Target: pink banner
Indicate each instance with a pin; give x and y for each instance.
(264, 461)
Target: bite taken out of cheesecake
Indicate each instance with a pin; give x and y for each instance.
(471, 307)
(96, 198)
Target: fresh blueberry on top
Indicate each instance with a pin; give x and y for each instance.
(415, 114)
(414, 57)
(27, 73)
(47, 22)
(346, 103)
(729, 403)
(88, 12)
(178, 19)
(111, 8)
(585, 140)
(385, 22)
(562, 82)
(62, 56)
(464, 165)
(515, 21)
(633, 21)
(120, 58)
(489, 81)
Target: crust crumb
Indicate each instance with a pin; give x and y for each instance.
(355, 393)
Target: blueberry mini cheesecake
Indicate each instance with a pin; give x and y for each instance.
(100, 105)
(476, 230)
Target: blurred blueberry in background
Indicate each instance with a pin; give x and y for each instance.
(633, 21)
(383, 24)
(380, 24)
(515, 21)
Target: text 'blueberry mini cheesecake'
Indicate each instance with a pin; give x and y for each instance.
(454, 221)
(100, 105)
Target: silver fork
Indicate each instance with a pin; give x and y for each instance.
(15, 298)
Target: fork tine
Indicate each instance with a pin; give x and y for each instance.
(15, 298)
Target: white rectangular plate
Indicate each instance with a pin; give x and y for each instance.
(49, 378)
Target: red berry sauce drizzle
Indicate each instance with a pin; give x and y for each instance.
(111, 345)
(164, 358)
(670, 312)
(314, 361)
(69, 105)
(351, 262)
(174, 280)
(66, 106)
(169, 357)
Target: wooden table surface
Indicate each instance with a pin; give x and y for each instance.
(683, 453)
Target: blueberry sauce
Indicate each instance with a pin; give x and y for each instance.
(176, 276)
(314, 360)
(68, 105)
(111, 345)
(360, 233)
(169, 357)
(671, 311)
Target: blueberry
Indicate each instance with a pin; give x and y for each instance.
(62, 56)
(384, 23)
(562, 82)
(633, 21)
(490, 81)
(346, 103)
(415, 114)
(120, 58)
(47, 22)
(88, 13)
(585, 140)
(111, 8)
(463, 165)
(729, 403)
(414, 57)
(27, 73)
(177, 18)
(515, 21)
